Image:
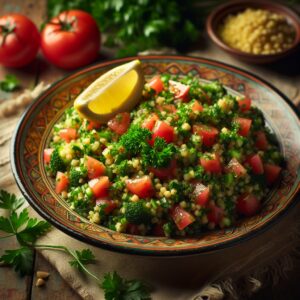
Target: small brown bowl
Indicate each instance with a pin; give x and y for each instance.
(217, 16)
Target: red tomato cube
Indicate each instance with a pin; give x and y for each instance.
(164, 131)
(180, 90)
(261, 141)
(109, 205)
(196, 106)
(68, 134)
(235, 167)
(181, 217)
(141, 187)
(201, 194)
(164, 173)
(247, 205)
(211, 164)
(95, 168)
(100, 186)
(120, 123)
(215, 214)
(93, 125)
(62, 182)
(47, 155)
(156, 84)
(244, 126)
(272, 173)
(244, 104)
(208, 134)
(256, 164)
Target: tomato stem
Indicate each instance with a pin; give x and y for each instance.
(6, 30)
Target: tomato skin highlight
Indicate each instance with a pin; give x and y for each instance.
(164, 131)
(244, 104)
(181, 217)
(215, 214)
(180, 90)
(47, 155)
(247, 205)
(120, 123)
(207, 133)
(211, 165)
(141, 187)
(272, 173)
(235, 167)
(201, 194)
(95, 167)
(62, 182)
(256, 164)
(100, 186)
(110, 205)
(261, 142)
(150, 121)
(20, 46)
(156, 84)
(244, 125)
(68, 134)
(74, 44)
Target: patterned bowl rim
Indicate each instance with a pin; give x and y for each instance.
(149, 252)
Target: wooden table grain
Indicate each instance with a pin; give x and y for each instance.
(284, 74)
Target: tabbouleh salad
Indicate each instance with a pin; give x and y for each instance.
(190, 157)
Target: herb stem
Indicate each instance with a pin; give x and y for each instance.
(73, 254)
(7, 236)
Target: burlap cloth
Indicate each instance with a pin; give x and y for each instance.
(232, 273)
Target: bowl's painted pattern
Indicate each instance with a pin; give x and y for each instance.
(34, 130)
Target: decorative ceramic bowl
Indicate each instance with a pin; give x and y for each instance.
(218, 15)
(33, 134)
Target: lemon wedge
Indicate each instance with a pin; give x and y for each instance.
(118, 90)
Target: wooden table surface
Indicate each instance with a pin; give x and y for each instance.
(284, 74)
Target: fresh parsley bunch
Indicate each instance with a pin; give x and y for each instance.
(27, 230)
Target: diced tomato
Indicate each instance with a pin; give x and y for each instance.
(110, 205)
(68, 134)
(163, 130)
(62, 182)
(181, 217)
(100, 186)
(133, 229)
(272, 173)
(212, 165)
(201, 194)
(235, 167)
(141, 187)
(247, 205)
(207, 133)
(171, 108)
(244, 104)
(47, 155)
(261, 141)
(156, 84)
(256, 164)
(93, 125)
(150, 121)
(120, 123)
(180, 90)
(244, 125)
(164, 173)
(215, 214)
(95, 168)
(196, 106)
(158, 230)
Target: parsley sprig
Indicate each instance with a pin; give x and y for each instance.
(27, 230)
(10, 83)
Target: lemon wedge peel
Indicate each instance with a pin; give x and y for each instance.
(117, 90)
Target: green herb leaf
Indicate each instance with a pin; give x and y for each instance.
(21, 260)
(85, 256)
(117, 288)
(10, 201)
(10, 83)
(33, 230)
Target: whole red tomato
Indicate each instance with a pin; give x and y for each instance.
(19, 40)
(71, 40)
